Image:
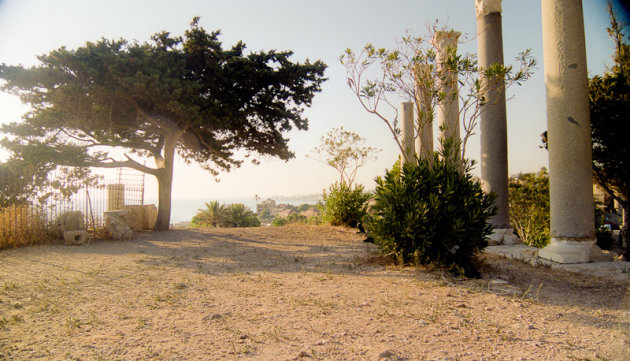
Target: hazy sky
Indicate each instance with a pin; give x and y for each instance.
(315, 30)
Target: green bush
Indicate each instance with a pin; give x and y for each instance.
(429, 213)
(212, 216)
(529, 207)
(344, 205)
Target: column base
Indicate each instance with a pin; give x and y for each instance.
(503, 236)
(569, 251)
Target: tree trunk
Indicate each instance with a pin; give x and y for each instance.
(165, 184)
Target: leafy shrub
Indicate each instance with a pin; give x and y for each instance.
(429, 213)
(219, 215)
(344, 205)
(529, 207)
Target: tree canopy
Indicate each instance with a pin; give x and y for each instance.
(609, 98)
(170, 94)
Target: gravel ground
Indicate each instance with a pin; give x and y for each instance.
(289, 293)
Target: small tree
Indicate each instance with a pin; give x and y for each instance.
(346, 152)
(237, 215)
(184, 95)
(529, 207)
(412, 72)
(345, 204)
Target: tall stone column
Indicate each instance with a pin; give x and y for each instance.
(445, 43)
(494, 151)
(407, 132)
(424, 113)
(569, 134)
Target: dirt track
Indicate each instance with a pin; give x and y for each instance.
(282, 293)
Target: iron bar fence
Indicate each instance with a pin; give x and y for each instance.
(29, 212)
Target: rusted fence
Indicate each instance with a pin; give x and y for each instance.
(28, 213)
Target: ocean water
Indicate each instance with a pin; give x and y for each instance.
(183, 210)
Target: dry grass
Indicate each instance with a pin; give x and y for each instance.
(21, 225)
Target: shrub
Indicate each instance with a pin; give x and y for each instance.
(429, 213)
(295, 219)
(344, 205)
(529, 207)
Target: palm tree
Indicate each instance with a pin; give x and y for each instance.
(213, 216)
(237, 215)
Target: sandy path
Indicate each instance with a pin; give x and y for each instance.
(283, 293)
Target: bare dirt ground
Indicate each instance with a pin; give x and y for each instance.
(288, 293)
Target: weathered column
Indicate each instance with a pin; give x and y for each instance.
(493, 124)
(569, 134)
(407, 132)
(424, 113)
(445, 43)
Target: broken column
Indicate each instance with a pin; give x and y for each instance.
(569, 134)
(407, 132)
(445, 43)
(493, 124)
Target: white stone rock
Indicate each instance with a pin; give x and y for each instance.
(116, 227)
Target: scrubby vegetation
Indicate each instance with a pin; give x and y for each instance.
(430, 213)
(529, 207)
(344, 205)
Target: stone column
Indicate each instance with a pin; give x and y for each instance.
(445, 43)
(407, 132)
(424, 113)
(569, 134)
(493, 124)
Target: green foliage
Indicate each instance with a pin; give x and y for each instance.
(295, 219)
(429, 213)
(529, 207)
(170, 94)
(219, 215)
(609, 99)
(344, 205)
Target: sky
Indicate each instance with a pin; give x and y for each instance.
(315, 30)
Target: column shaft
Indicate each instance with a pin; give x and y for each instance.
(407, 132)
(493, 123)
(569, 133)
(445, 43)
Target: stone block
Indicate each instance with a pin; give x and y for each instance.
(135, 218)
(75, 237)
(149, 216)
(116, 227)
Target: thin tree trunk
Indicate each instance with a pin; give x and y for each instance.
(625, 244)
